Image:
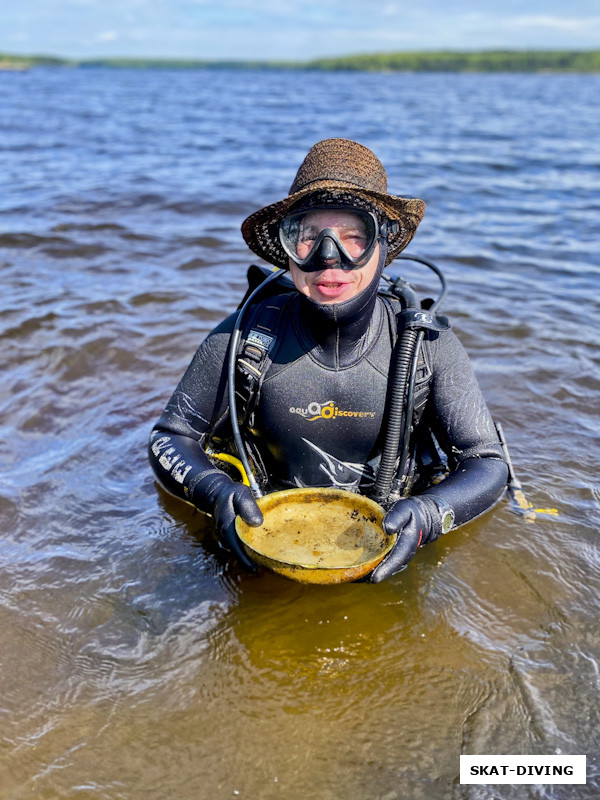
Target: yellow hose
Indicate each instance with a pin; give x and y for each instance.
(231, 460)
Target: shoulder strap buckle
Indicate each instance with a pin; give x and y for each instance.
(253, 359)
(420, 319)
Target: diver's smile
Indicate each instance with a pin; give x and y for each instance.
(331, 283)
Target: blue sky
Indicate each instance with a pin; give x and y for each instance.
(280, 29)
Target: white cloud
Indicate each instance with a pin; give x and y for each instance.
(571, 24)
(107, 36)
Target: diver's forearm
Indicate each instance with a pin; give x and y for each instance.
(472, 488)
(180, 464)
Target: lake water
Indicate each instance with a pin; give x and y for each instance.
(136, 662)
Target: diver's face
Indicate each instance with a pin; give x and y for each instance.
(332, 284)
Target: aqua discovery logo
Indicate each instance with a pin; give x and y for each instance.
(329, 410)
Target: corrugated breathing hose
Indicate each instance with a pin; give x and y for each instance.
(400, 409)
(398, 419)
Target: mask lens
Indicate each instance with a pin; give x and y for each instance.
(353, 231)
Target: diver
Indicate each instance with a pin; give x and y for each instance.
(316, 373)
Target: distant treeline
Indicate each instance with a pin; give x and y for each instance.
(483, 61)
(442, 61)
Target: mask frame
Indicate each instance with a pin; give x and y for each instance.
(328, 246)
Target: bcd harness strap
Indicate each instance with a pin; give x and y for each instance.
(254, 358)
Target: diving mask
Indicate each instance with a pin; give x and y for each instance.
(317, 238)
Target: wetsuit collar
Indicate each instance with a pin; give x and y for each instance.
(338, 332)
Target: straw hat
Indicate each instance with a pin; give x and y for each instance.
(342, 169)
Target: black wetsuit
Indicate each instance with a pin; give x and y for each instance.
(321, 411)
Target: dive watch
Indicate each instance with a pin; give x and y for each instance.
(446, 514)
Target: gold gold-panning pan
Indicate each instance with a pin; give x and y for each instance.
(317, 535)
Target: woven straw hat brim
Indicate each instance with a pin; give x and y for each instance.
(261, 229)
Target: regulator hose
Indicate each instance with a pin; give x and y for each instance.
(400, 409)
(405, 356)
(410, 404)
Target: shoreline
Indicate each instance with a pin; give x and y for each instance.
(484, 61)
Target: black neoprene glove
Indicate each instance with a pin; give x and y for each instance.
(225, 499)
(417, 521)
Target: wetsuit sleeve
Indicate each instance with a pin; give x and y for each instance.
(176, 448)
(469, 432)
